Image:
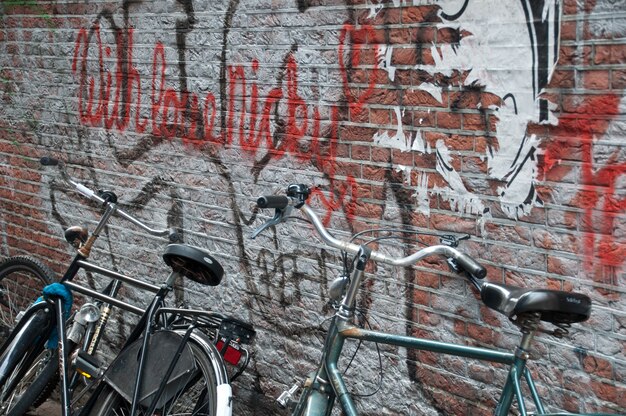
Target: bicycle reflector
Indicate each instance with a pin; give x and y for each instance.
(232, 353)
(233, 333)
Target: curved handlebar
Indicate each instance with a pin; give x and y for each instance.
(463, 260)
(171, 233)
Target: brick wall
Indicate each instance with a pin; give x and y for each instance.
(503, 120)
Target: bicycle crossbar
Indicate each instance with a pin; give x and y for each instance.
(113, 301)
(349, 331)
(127, 279)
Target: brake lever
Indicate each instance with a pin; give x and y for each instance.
(453, 240)
(279, 215)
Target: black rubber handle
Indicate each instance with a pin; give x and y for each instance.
(471, 266)
(273, 201)
(49, 161)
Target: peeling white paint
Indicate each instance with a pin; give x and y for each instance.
(419, 144)
(422, 200)
(498, 58)
(432, 89)
(383, 55)
(457, 195)
(374, 9)
(399, 140)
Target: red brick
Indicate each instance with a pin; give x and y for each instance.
(610, 54)
(596, 80)
(354, 133)
(618, 79)
(402, 77)
(377, 37)
(420, 14)
(402, 158)
(448, 35)
(598, 366)
(568, 30)
(562, 79)
(380, 154)
(424, 118)
(380, 76)
(421, 98)
(401, 36)
(575, 55)
(360, 152)
(608, 392)
(404, 56)
(446, 120)
(380, 116)
(375, 173)
(420, 297)
(425, 35)
(383, 96)
(475, 122)
(386, 16)
(575, 103)
(570, 7)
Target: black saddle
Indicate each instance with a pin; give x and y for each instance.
(554, 306)
(194, 263)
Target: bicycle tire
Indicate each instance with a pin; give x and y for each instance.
(201, 402)
(35, 387)
(21, 353)
(22, 280)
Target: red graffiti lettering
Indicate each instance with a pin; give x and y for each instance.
(598, 183)
(354, 50)
(254, 122)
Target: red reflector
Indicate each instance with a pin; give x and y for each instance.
(232, 354)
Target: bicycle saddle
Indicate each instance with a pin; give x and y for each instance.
(194, 263)
(554, 306)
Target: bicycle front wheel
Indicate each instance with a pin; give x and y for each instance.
(34, 387)
(22, 279)
(197, 398)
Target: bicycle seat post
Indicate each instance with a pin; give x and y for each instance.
(528, 324)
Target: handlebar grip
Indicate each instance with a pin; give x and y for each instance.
(87, 192)
(273, 201)
(471, 266)
(49, 161)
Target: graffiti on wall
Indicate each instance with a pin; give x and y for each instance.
(276, 108)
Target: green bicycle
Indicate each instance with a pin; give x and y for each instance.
(528, 309)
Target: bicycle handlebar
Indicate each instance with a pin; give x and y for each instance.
(463, 260)
(171, 233)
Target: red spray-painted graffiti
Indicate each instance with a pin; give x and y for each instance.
(115, 102)
(601, 248)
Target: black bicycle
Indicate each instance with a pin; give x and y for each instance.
(174, 361)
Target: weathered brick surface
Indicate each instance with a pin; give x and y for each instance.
(405, 114)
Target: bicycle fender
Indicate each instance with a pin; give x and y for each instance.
(224, 391)
(122, 373)
(224, 400)
(29, 334)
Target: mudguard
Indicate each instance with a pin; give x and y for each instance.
(162, 346)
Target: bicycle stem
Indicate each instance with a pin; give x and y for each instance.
(85, 250)
(346, 310)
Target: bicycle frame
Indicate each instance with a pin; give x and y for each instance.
(52, 312)
(328, 384)
(143, 328)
